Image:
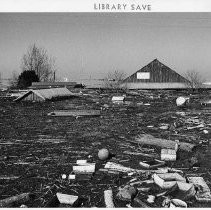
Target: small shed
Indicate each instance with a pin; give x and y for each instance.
(155, 75)
(45, 94)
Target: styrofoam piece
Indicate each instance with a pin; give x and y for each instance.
(162, 184)
(169, 185)
(144, 165)
(89, 168)
(108, 198)
(158, 180)
(66, 199)
(180, 101)
(151, 199)
(81, 162)
(168, 155)
(71, 176)
(118, 98)
(172, 177)
(64, 176)
(205, 131)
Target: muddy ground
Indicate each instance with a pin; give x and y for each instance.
(36, 149)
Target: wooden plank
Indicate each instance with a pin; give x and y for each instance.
(8, 202)
(75, 113)
(163, 143)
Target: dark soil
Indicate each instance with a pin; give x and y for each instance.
(38, 148)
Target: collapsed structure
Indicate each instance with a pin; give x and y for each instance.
(45, 94)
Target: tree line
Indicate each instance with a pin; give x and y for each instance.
(36, 66)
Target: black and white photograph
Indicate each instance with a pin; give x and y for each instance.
(108, 108)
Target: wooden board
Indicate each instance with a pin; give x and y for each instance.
(61, 113)
(163, 143)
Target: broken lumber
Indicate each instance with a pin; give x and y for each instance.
(118, 167)
(75, 113)
(9, 177)
(203, 193)
(141, 154)
(141, 203)
(22, 198)
(163, 143)
(108, 198)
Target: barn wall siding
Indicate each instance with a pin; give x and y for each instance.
(159, 73)
(148, 85)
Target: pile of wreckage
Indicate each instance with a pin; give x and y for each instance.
(154, 183)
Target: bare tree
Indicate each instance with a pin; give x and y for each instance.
(114, 80)
(37, 59)
(194, 80)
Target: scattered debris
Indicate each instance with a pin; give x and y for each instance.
(206, 102)
(88, 168)
(120, 168)
(168, 155)
(67, 199)
(118, 98)
(141, 154)
(205, 131)
(64, 176)
(180, 188)
(141, 203)
(103, 154)
(181, 101)
(161, 153)
(151, 164)
(71, 176)
(163, 143)
(22, 198)
(174, 203)
(81, 162)
(203, 191)
(151, 199)
(108, 198)
(23, 206)
(127, 193)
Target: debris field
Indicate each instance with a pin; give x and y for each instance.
(49, 151)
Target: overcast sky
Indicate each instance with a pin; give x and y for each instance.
(89, 45)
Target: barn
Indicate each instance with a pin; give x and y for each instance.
(45, 94)
(155, 75)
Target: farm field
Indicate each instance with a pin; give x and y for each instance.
(36, 148)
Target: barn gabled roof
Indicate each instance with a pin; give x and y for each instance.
(47, 94)
(160, 73)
